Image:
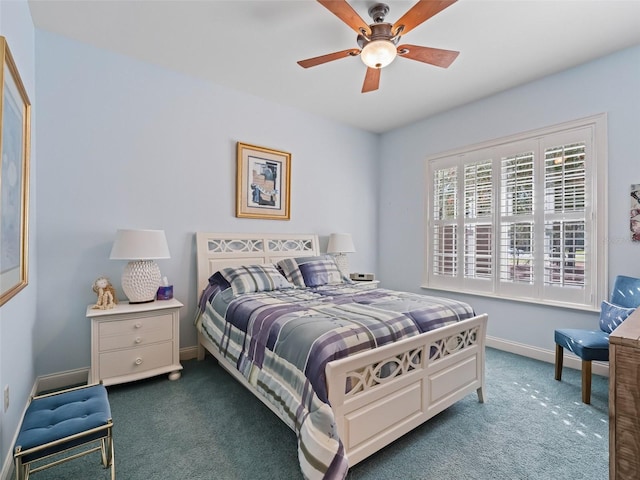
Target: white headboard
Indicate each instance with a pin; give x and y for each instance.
(219, 250)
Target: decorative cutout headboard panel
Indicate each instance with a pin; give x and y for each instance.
(220, 250)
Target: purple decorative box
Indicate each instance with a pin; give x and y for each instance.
(165, 292)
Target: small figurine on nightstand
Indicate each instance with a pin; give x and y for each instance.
(106, 294)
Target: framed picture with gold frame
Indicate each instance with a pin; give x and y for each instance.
(15, 141)
(263, 183)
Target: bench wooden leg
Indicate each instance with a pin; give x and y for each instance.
(586, 381)
(559, 359)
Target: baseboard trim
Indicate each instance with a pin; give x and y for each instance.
(549, 356)
(189, 353)
(57, 381)
(7, 466)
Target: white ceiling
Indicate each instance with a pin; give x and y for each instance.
(253, 46)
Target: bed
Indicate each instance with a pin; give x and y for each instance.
(342, 408)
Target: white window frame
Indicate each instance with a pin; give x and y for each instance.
(595, 288)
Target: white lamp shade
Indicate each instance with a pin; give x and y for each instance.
(141, 276)
(340, 243)
(139, 245)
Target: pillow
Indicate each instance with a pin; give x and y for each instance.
(320, 272)
(290, 268)
(217, 284)
(217, 280)
(254, 278)
(612, 315)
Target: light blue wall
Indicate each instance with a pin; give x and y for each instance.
(18, 315)
(126, 144)
(607, 85)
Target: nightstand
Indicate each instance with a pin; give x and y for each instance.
(132, 342)
(366, 284)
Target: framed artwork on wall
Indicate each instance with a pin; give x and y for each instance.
(635, 213)
(263, 183)
(15, 141)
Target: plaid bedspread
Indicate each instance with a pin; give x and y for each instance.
(281, 341)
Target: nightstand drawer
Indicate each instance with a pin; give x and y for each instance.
(135, 360)
(138, 338)
(136, 325)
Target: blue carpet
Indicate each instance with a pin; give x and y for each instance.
(207, 426)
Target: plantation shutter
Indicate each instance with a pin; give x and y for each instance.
(478, 224)
(517, 219)
(445, 230)
(568, 252)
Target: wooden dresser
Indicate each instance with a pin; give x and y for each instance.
(624, 400)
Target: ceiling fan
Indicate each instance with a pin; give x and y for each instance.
(378, 42)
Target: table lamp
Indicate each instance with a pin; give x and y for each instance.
(339, 245)
(141, 276)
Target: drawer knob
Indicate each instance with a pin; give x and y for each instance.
(138, 361)
(138, 325)
(138, 340)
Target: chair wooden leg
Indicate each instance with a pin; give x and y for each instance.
(559, 358)
(586, 381)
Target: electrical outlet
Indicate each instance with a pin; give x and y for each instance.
(6, 398)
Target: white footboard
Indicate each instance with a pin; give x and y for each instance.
(379, 395)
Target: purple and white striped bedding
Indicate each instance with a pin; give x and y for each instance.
(281, 341)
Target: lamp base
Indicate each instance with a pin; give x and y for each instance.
(140, 281)
(343, 263)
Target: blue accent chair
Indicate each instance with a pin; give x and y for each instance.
(592, 345)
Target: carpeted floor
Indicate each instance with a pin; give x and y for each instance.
(207, 426)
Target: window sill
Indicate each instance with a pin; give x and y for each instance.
(533, 301)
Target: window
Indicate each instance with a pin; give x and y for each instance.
(523, 217)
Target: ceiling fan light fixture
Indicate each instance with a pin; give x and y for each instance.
(378, 53)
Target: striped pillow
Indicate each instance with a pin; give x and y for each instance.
(290, 268)
(321, 272)
(254, 278)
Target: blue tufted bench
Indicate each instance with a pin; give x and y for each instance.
(78, 419)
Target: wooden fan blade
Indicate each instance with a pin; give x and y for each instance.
(419, 13)
(371, 80)
(312, 62)
(346, 13)
(432, 56)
